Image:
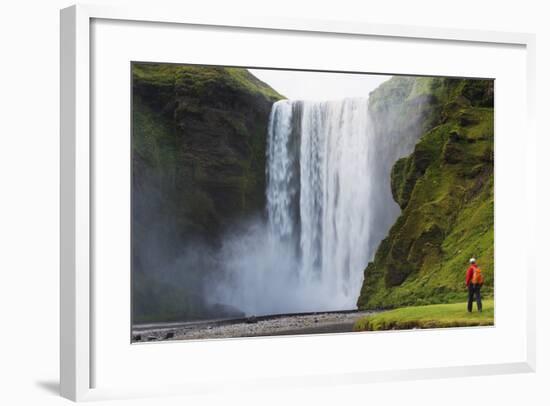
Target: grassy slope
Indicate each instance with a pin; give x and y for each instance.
(445, 191)
(201, 78)
(430, 316)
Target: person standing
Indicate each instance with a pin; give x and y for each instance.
(474, 280)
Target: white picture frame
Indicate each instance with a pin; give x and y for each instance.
(77, 282)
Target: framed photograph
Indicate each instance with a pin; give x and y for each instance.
(259, 202)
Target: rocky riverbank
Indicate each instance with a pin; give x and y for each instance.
(318, 323)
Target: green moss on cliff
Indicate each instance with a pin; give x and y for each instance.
(200, 133)
(198, 166)
(445, 191)
(204, 82)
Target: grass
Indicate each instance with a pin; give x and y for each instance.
(431, 316)
(201, 80)
(445, 191)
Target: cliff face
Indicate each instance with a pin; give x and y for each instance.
(198, 165)
(201, 133)
(444, 189)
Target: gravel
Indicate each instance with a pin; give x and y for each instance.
(285, 325)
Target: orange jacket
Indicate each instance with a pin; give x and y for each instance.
(470, 273)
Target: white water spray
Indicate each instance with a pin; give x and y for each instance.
(332, 191)
(329, 204)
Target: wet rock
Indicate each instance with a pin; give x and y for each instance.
(452, 153)
(455, 136)
(467, 119)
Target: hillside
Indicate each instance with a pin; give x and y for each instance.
(444, 189)
(198, 166)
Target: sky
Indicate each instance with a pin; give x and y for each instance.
(319, 85)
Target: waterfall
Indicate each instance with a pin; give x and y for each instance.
(319, 191)
(329, 204)
(281, 171)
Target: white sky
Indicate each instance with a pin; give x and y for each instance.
(319, 85)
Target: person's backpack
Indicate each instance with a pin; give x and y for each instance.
(477, 278)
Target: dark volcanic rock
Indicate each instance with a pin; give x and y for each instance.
(198, 166)
(199, 135)
(251, 320)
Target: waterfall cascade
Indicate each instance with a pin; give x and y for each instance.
(319, 190)
(329, 205)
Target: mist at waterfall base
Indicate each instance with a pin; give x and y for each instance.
(329, 204)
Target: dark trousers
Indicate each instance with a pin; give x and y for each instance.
(474, 290)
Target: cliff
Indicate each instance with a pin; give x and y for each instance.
(198, 165)
(444, 189)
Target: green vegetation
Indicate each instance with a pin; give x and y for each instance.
(431, 316)
(198, 166)
(199, 136)
(200, 80)
(445, 191)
